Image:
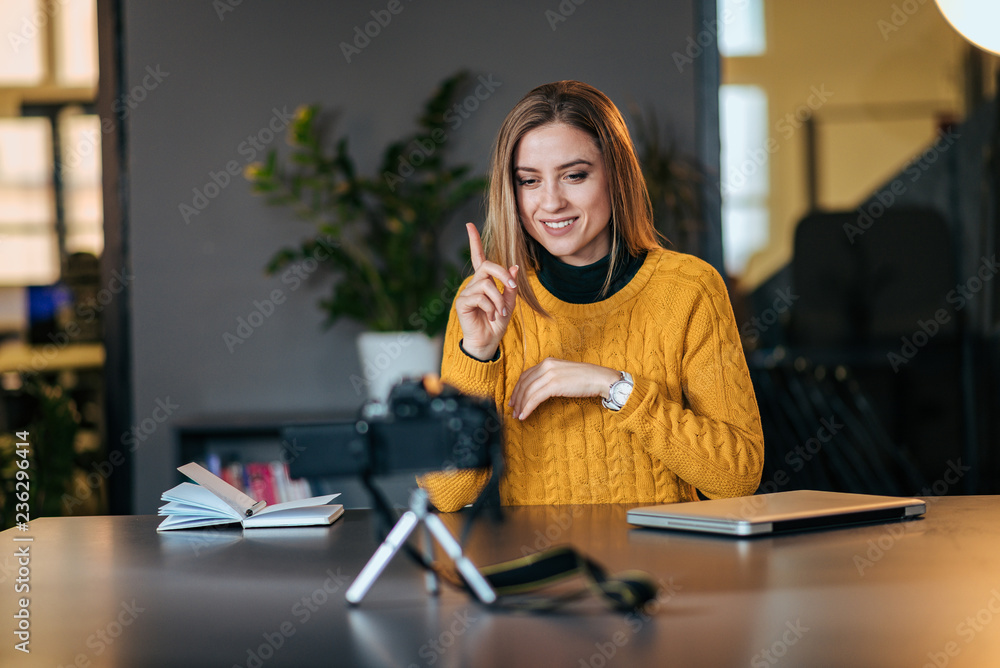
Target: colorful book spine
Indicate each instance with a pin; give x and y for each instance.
(268, 481)
(232, 473)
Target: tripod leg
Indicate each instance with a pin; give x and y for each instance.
(430, 577)
(383, 555)
(480, 587)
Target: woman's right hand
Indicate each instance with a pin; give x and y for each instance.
(483, 312)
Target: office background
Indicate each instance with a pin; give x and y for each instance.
(855, 94)
(228, 72)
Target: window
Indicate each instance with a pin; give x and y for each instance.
(22, 64)
(741, 28)
(50, 187)
(745, 179)
(80, 169)
(745, 160)
(28, 249)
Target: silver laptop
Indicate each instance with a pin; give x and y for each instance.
(772, 513)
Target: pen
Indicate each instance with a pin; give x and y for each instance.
(255, 507)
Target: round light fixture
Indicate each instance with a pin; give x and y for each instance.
(976, 20)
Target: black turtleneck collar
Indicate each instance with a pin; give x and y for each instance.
(582, 285)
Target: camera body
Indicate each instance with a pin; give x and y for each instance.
(421, 429)
(423, 426)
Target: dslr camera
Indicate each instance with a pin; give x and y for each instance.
(424, 425)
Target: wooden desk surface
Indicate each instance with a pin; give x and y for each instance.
(110, 591)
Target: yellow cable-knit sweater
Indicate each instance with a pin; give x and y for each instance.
(690, 423)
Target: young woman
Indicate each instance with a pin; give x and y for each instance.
(616, 364)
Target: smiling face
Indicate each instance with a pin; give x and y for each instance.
(562, 193)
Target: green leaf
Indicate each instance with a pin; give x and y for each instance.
(379, 232)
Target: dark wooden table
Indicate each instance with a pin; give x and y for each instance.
(110, 591)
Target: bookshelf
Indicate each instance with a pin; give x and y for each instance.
(258, 437)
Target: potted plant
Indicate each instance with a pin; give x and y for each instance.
(379, 235)
(673, 181)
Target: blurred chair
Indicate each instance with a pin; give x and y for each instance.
(871, 286)
(874, 349)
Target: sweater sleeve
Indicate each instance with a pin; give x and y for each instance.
(713, 440)
(451, 490)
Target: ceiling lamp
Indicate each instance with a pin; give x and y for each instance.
(976, 20)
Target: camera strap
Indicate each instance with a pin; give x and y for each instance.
(518, 581)
(520, 584)
(529, 584)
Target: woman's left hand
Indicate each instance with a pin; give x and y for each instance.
(559, 378)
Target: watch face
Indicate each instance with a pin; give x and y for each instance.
(620, 392)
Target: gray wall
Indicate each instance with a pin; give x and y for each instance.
(219, 79)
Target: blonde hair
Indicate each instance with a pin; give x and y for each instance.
(580, 106)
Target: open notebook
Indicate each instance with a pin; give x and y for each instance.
(214, 501)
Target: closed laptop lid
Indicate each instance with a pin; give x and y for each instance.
(776, 512)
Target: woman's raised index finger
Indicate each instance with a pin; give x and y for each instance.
(475, 246)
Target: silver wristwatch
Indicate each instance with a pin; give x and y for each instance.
(620, 391)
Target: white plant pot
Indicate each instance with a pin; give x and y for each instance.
(389, 357)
